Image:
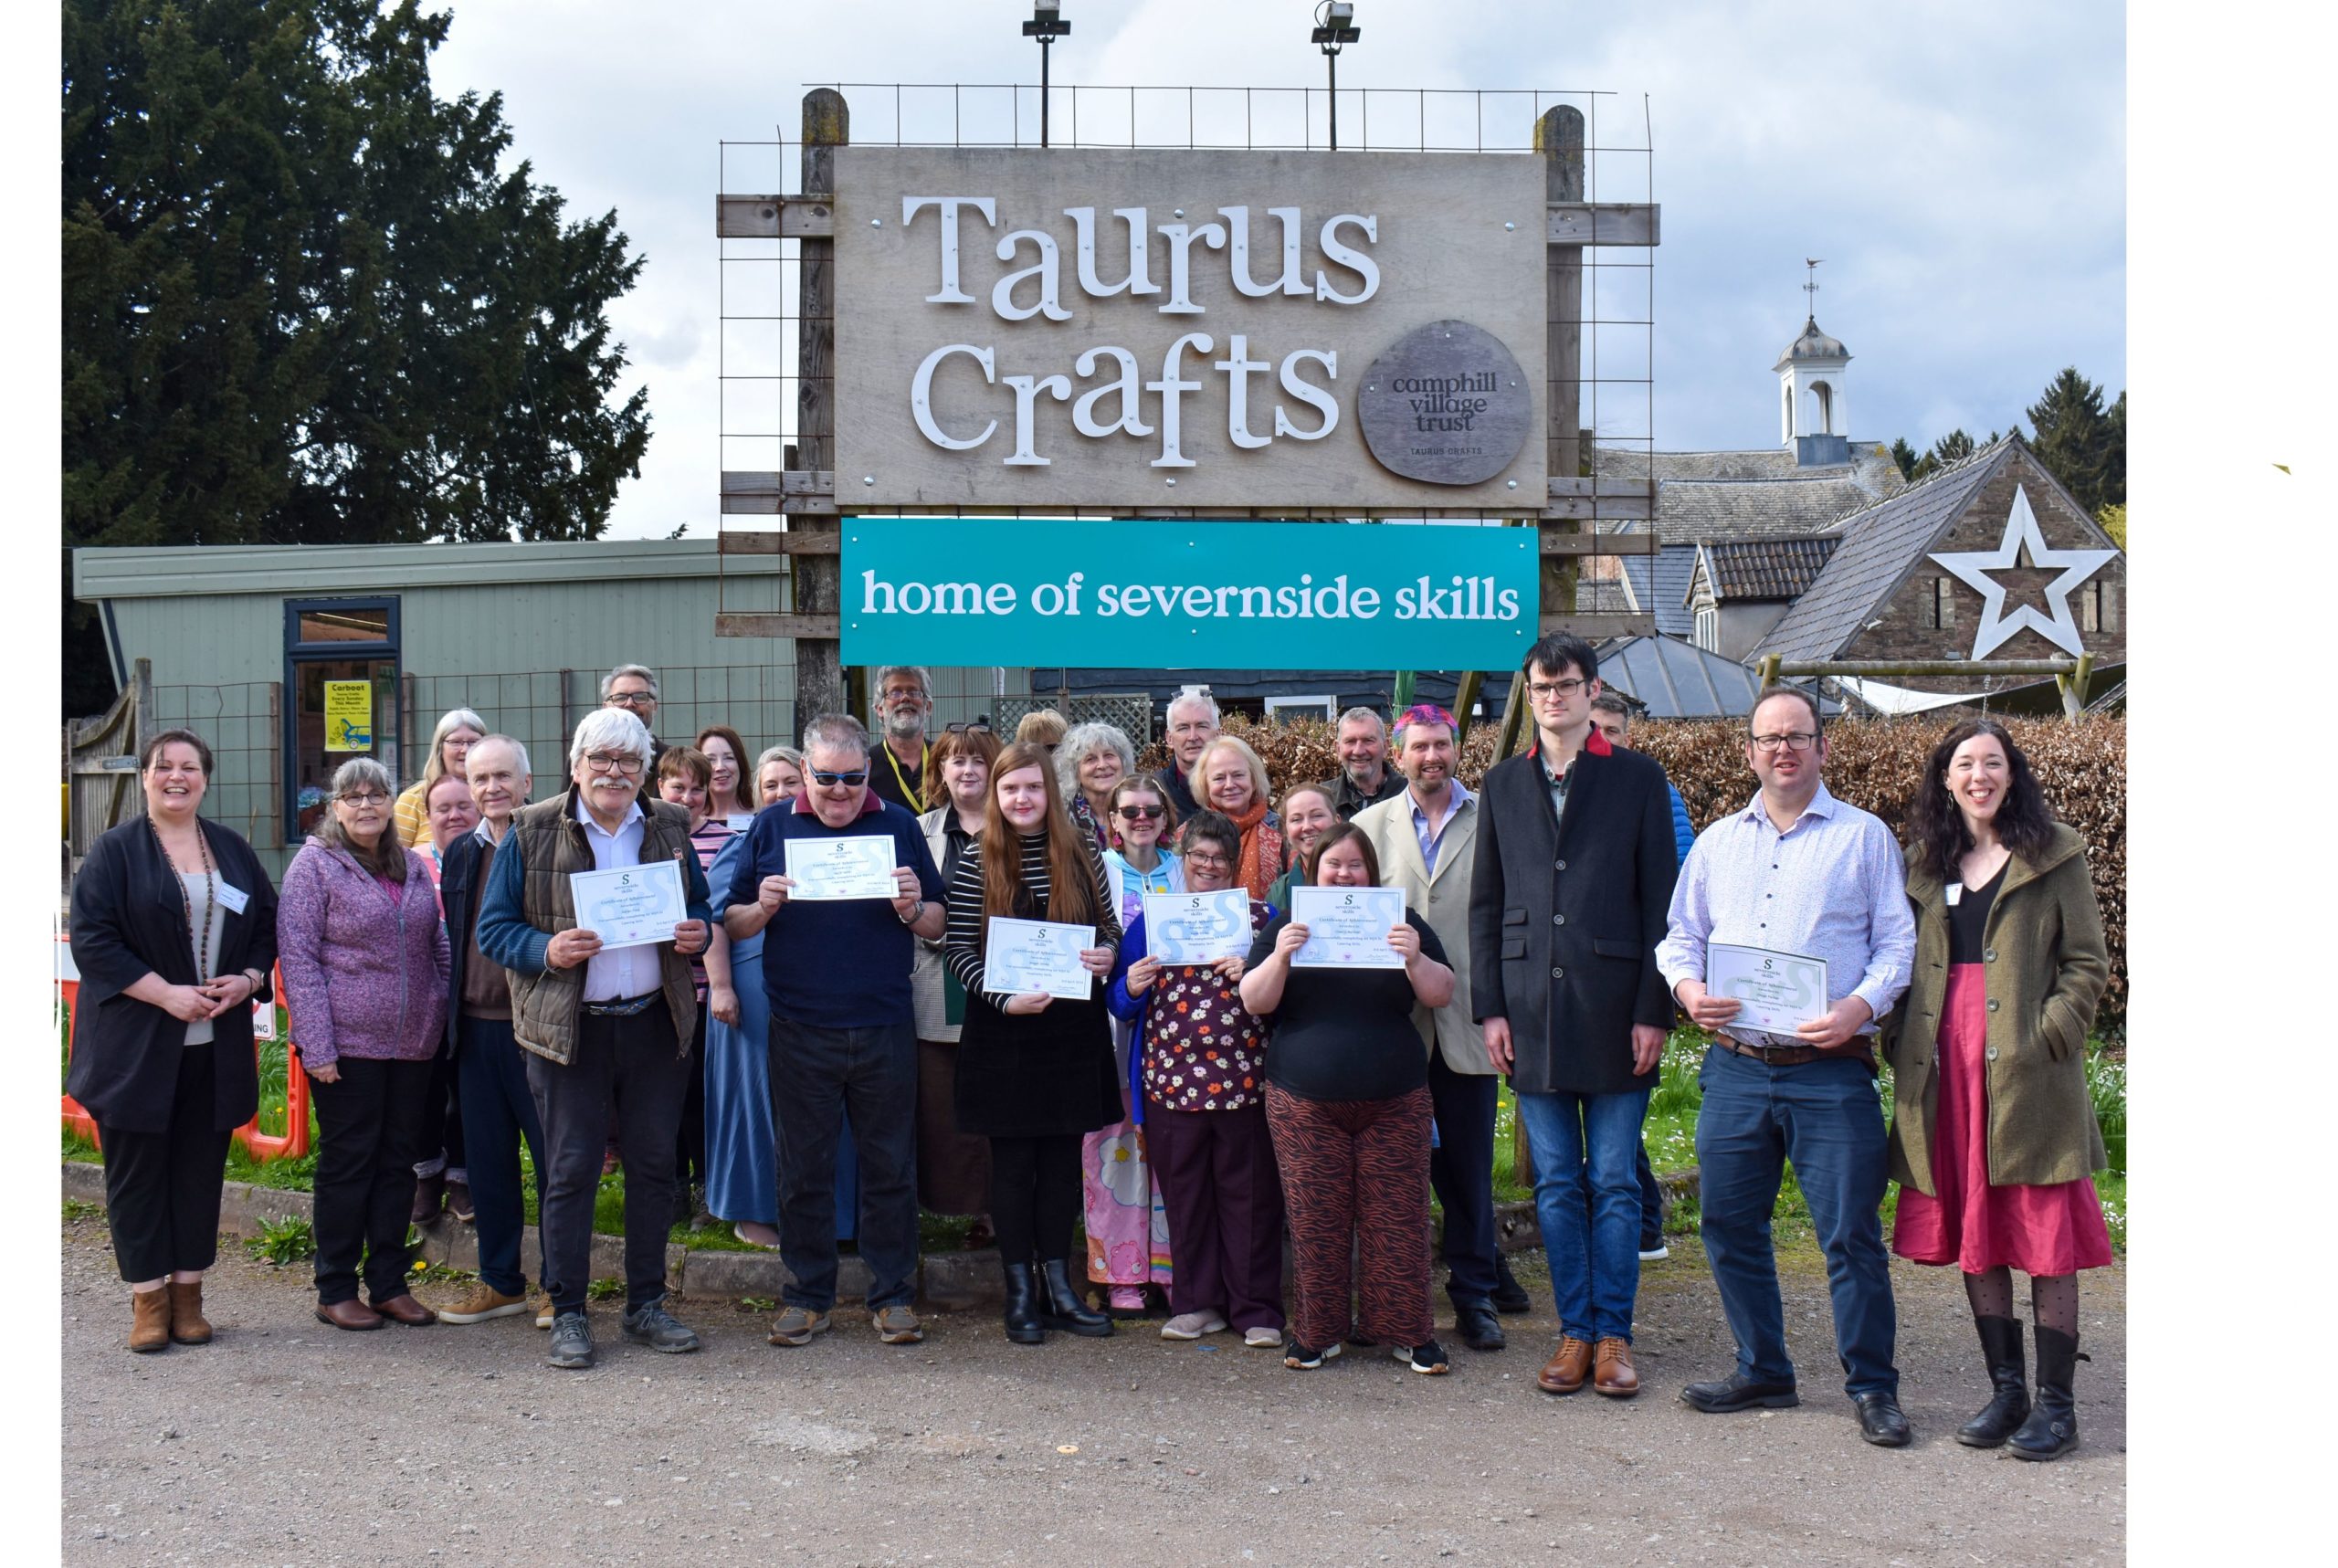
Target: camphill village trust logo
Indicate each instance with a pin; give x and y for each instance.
(1446, 405)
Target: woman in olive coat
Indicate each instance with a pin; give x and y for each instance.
(1993, 1133)
(174, 931)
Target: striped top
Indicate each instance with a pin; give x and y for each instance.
(962, 939)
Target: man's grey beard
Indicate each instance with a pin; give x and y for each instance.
(905, 721)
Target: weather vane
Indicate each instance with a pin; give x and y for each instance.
(1811, 287)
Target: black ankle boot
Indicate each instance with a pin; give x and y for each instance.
(2052, 1429)
(2001, 1348)
(1023, 1325)
(1062, 1307)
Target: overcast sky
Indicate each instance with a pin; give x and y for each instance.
(1959, 167)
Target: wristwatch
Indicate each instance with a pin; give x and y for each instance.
(917, 908)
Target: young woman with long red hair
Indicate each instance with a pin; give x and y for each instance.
(1035, 1072)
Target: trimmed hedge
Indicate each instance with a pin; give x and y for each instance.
(1872, 763)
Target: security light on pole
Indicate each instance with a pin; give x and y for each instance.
(1335, 27)
(1046, 25)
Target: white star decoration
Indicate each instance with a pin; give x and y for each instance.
(1974, 566)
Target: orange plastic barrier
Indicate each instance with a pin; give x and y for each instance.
(262, 1146)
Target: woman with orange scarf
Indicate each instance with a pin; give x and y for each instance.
(1228, 777)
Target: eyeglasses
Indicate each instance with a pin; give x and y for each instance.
(834, 779)
(1196, 857)
(603, 762)
(629, 700)
(1143, 812)
(1543, 690)
(364, 798)
(1799, 741)
(904, 694)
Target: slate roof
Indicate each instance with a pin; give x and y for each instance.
(1753, 494)
(1660, 584)
(1878, 547)
(1753, 569)
(1678, 679)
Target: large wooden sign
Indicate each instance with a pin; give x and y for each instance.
(1154, 329)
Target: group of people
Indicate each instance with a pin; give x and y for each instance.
(821, 1066)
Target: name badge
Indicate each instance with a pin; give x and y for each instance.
(234, 898)
(739, 821)
(1955, 891)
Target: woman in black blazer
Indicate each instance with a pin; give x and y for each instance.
(173, 931)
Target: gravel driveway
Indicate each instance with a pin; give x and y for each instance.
(287, 1442)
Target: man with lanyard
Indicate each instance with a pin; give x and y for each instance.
(603, 1026)
(1426, 838)
(843, 1029)
(490, 1076)
(1575, 865)
(1796, 871)
(903, 764)
(1364, 777)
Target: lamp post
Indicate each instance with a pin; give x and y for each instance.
(1046, 25)
(1334, 25)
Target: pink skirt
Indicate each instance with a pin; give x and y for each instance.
(2051, 1230)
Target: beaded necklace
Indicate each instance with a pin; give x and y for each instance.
(210, 895)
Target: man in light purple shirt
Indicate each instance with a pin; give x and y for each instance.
(1800, 872)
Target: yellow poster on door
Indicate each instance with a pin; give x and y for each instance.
(349, 715)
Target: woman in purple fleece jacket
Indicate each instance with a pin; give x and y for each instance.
(364, 957)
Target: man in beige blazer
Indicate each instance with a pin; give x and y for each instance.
(1426, 841)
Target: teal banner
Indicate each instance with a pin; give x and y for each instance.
(1187, 596)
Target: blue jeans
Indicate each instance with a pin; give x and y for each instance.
(1595, 1256)
(491, 1082)
(822, 1079)
(1827, 1118)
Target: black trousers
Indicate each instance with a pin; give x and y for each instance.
(628, 1069)
(441, 1136)
(1461, 1170)
(163, 1188)
(369, 1135)
(1035, 1195)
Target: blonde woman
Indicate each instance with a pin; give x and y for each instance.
(1228, 778)
(458, 730)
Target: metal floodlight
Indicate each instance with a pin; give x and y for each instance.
(1335, 27)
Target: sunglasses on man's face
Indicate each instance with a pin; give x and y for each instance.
(833, 779)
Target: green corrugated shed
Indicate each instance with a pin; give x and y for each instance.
(520, 633)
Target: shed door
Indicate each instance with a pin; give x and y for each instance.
(340, 664)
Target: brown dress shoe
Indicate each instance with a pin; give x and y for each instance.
(353, 1315)
(1566, 1368)
(404, 1308)
(188, 1325)
(150, 1320)
(1613, 1373)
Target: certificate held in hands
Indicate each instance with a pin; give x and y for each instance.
(627, 906)
(1197, 928)
(859, 866)
(1023, 957)
(1777, 991)
(1347, 928)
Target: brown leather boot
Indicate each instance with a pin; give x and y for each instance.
(150, 1320)
(1612, 1370)
(1566, 1368)
(188, 1325)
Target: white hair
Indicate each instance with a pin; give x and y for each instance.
(1083, 742)
(621, 671)
(1361, 715)
(886, 672)
(612, 727)
(836, 732)
(788, 754)
(1201, 700)
(518, 751)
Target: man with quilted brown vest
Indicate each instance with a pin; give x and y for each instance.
(602, 1027)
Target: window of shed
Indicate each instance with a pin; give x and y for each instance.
(369, 623)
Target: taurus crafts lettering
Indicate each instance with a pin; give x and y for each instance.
(1269, 396)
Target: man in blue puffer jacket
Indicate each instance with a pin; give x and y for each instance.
(1612, 716)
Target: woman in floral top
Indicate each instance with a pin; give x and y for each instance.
(1202, 1105)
